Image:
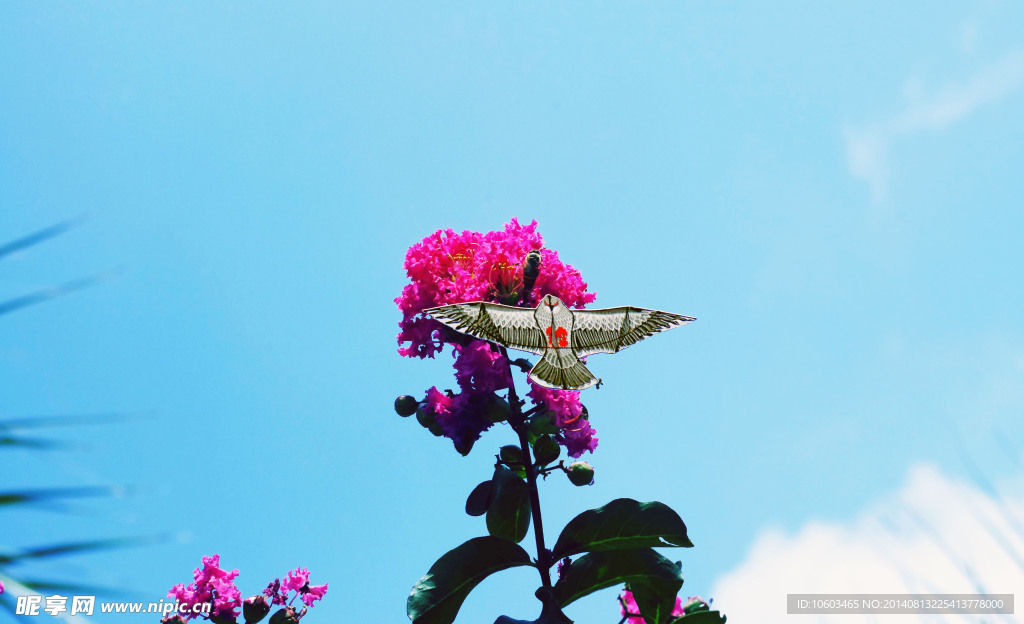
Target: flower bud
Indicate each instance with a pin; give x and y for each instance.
(511, 454)
(406, 406)
(581, 473)
(694, 605)
(464, 446)
(288, 615)
(425, 417)
(174, 619)
(546, 450)
(254, 609)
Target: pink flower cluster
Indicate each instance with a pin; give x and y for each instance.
(447, 268)
(211, 586)
(575, 432)
(628, 605)
(216, 587)
(295, 581)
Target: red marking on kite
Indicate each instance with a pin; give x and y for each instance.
(561, 336)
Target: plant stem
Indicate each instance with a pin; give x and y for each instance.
(518, 423)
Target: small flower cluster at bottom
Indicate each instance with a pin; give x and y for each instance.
(216, 587)
(631, 612)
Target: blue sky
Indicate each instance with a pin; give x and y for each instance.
(834, 191)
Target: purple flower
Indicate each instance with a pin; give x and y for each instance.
(273, 591)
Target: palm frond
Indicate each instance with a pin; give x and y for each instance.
(38, 237)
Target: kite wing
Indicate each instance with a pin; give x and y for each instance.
(613, 329)
(505, 325)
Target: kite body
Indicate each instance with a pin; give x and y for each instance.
(560, 335)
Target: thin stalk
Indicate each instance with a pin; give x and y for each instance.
(518, 422)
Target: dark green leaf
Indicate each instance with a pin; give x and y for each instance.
(508, 516)
(622, 524)
(595, 571)
(480, 498)
(551, 613)
(655, 600)
(437, 597)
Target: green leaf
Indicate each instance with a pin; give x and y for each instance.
(480, 499)
(508, 516)
(702, 617)
(655, 601)
(622, 524)
(595, 571)
(437, 597)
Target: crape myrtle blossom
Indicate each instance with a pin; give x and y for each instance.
(575, 432)
(298, 581)
(211, 586)
(216, 587)
(627, 605)
(447, 268)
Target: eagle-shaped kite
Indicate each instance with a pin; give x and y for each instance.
(561, 335)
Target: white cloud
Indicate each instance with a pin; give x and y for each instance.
(935, 535)
(867, 145)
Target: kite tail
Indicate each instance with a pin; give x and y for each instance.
(576, 377)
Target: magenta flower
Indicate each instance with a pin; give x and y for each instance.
(576, 434)
(211, 586)
(296, 580)
(1, 587)
(446, 268)
(314, 593)
(628, 605)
